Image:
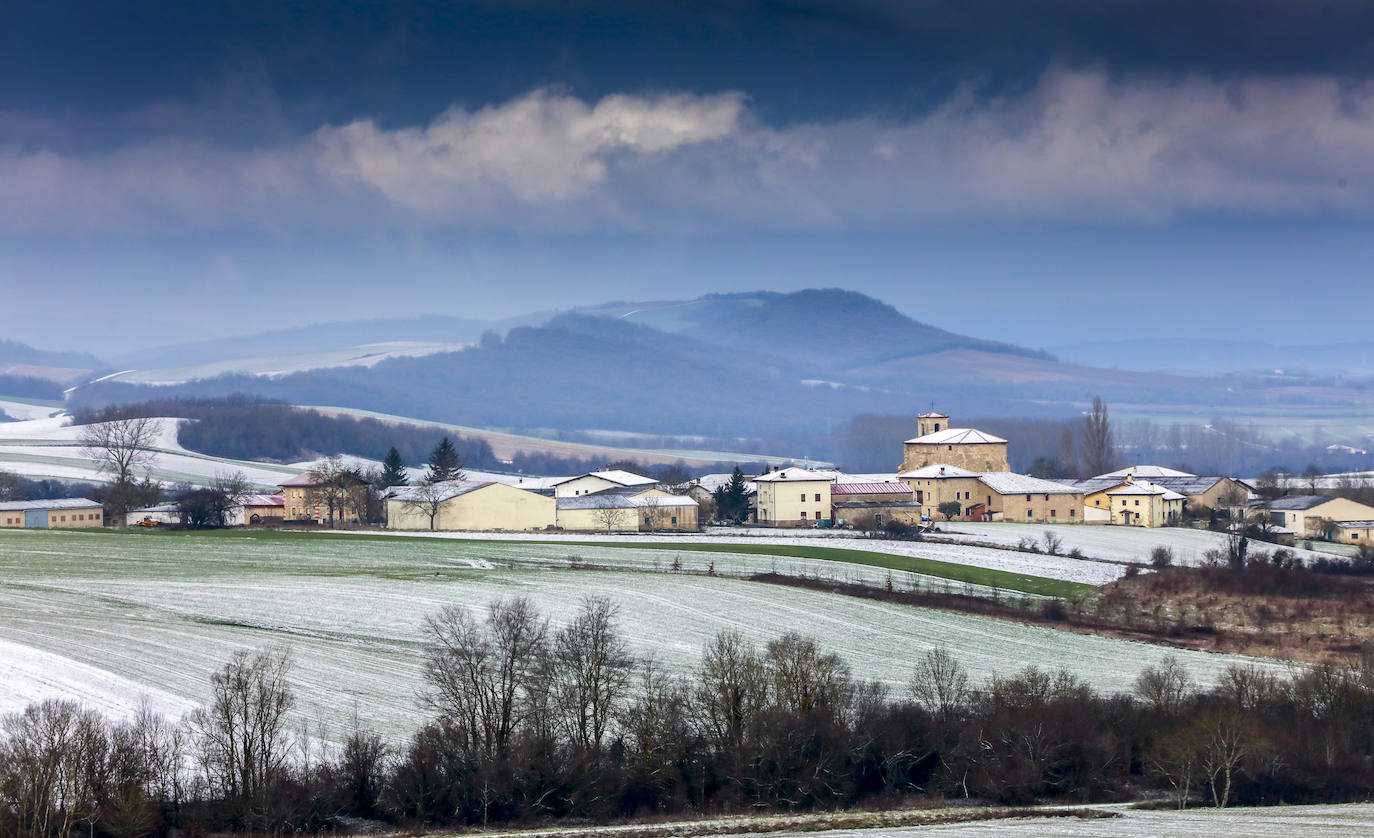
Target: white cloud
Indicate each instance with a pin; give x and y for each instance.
(1076, 146)
(543, 147)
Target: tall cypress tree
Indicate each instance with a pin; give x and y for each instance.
(443, 463)
(394, 469)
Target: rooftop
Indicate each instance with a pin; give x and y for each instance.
(447, 490)
(796, 474)
(1295, 503)
(624, 478)
(1011, 483)
(60, 503)
(622, 500)
(892, 488)
(1145, 487)
(1147, 471)
(957, 436)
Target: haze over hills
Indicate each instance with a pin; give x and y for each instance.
(753, 365)
(1209, 356)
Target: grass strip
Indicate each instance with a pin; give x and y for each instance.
(1000, 579)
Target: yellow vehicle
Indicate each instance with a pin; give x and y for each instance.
(147, 522)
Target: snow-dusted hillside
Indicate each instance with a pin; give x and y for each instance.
(365, 355)
(50, 448)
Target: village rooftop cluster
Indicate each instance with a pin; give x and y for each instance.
(946, 474)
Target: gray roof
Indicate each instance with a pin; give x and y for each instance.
(1182, 485)
(1355, 525)
(877, 504)
(448, 490)
(1295, 503)
(60, 503)
(623, 500)
(1011, 483)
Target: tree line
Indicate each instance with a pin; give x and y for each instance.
(530, 722)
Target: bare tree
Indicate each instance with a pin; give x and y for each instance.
(1099, 448)
(427, 499)
(121, 447)
(241, 734)
(1164, 687)
(483, 677)
(652, 510)
(609, 513)
(592, 667)
(731, 689)
(805, 679)
(336, 487)
(940, 683)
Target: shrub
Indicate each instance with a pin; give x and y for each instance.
(1052, 543)
(1029, 545)
(1161, 557)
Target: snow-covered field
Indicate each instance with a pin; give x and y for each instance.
(49, 447)
(1118, 544)
(90, 613)
(1088, 571)
(1258, 822)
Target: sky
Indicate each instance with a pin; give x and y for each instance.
(1034, 172)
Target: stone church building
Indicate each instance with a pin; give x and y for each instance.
(939, 444)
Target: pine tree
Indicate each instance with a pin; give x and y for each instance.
(732, 499)
(394, 469)
(443, 463)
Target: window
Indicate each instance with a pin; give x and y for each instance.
(1137, 503)
(803, 514)
(1047, 497)
(1097, 502)
(949, 447)
(675, 520)
(646, 520)
(1028, 497)
(1071, 513)
(1054, 513)
(818, 497)
(1028, 513)
(803, 497)
(878, 518)
(819, 515)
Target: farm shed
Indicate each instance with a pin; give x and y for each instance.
(472, 505)
(45, 514)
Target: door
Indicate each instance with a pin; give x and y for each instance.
(36, 519)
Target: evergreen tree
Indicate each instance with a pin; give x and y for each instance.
(443, 463)
(732, 499)
(394, 469)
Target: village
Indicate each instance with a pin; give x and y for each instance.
(946, 474)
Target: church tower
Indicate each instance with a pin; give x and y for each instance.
(930, 423)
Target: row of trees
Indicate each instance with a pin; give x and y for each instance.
(528, 721)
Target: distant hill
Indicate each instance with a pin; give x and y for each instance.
(319, 337)
(827, 328)
(22, 360)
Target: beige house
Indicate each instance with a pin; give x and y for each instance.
(49, 514)
(793, 497)
(937, 443)
(632, 508)
(597, 481)
(1203, 493)
(939, 483)
(1312, 516)
(1008, 496)
(470, 505)
(1141, 503)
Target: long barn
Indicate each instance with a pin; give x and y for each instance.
(47, 514)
